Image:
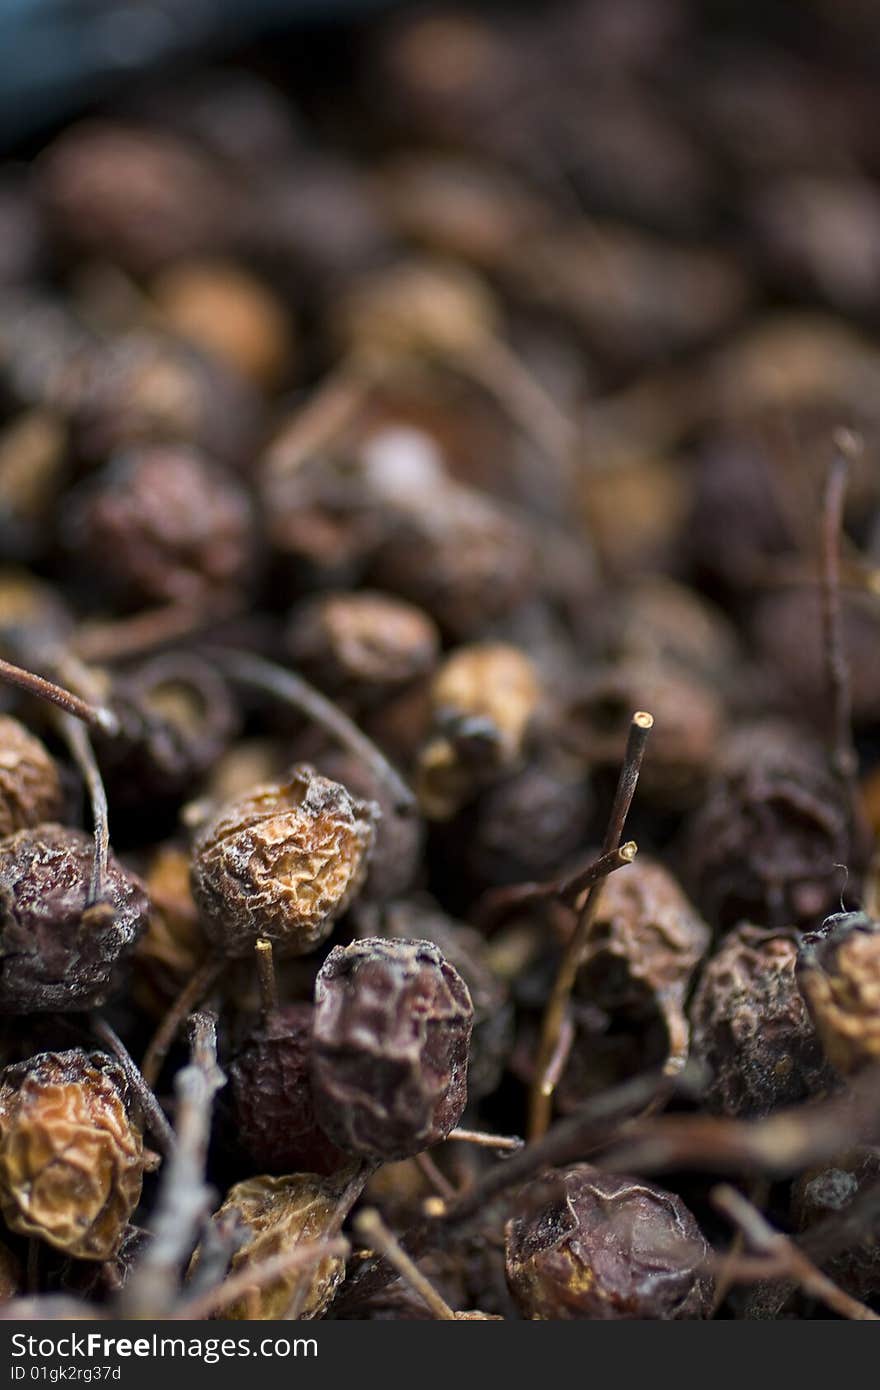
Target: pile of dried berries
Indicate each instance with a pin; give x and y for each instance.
(414, 480)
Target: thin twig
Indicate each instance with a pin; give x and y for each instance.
(258, 1276)
(785, 1258)
(184, 1196)
(276, 680)
(843, 757)
(373, 1231)
(123, 638)
(96, 716)
(544, 1086)
(438, 1180)
(330, 410)
(524, 399)
(499, 903)
(80, 747)
(267, 978)
(189, 998)
(154, 1115)
(503, 1143)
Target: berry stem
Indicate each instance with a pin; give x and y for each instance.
(372, 1229)
(843, 757)
(96, 716)
(267, 978)
(293, 690)
(153, 1112)
(189, 998)
(502, 1143)
(544, 1087)
(80, 747)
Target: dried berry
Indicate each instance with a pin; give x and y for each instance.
(134, 196)
(60, 950)
(751, 1028)
(765, 844)
(30, 790)
(165, 525)
(176, 717)
(643, 948)
(71, 1156)
(281, 863)
(222, 309)
(395, 857)
(826, 1194)
(526, 826)
(277, 1214)
(839, 977)
(465, 559)
(391, 1033)
(484, 698)
(273, 1110)
(418, 308)
(689, 715)
(146, 388)
(465, 950)
(607, 1247)
(361, 645)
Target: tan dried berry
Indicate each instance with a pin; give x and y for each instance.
(277, 1214)
(425, 308)
(30, 790)
(71, 1155)
(227, 312)
(281, 863)
(484, 698)
(839, 977)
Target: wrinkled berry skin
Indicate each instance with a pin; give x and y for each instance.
(276, 1214)
(608, 1247)
(165, 524)
(30, 790)
(57, 952)
(765, 844)
(751, 1027)
(839, 977)
(272, 1097)
(281, 863)
(392, 1029)
(71, 1159)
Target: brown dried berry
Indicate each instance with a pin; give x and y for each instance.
(607, 1247)
(391, 1033)
(165, 525)
(30, 790)
(281, 863)
(59, 950)
(465, 950)
(132, 195)
(71, 1156)
(176, 718)
(423, 308)
(484, 698)
(361, 645)
(146, 388)
(826, 1194)
(273, 1110)
(643, 948)
(689, 721)
(751, 1028)
(839, 976)
(277, 1214)
(465, 559)
(525, 827)
(765, 844)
